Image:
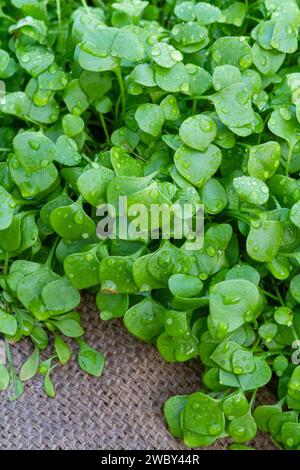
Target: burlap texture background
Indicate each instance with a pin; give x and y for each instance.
(120, 411)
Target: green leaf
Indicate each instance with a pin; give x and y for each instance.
(233, 105)
(206, 13)
(165, 55)
(8, 323)
(232, 50)
(69, 328)
(48, 385)
(198, 167)
(62, 350)
(30, 367)
(264, 160)
(198, 132)
(4, 378)
(172, 410)
(229, 309)
(150, 119)
(243, 428)
(145, 320)
(90, 360)
(6, 209)
(264, 240)
(251, 190)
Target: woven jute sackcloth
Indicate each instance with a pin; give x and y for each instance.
(120, 411)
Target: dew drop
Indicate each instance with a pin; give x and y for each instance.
(33, 144)
(155, 51)
(186, 165)
(78, 218)
(246, 61)
(176, 55)
(210, 251)
(290, 442)
(15, 164)
(184, 87)
(76, 110)
(217, 56)
(214, 429)
(285, 113)
(205, 125)
(26, 58)
(263, 61)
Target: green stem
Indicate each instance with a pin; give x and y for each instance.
(242, 144)
(51, 254)
(102, 5)
(294, 333)
(238, 216)
(249, 210)
(85, 6)
(6, 17)
(32, 212)
(194, 108)
(86, 158)
(198, 98)
(253, 18)
(122, 90)
(6, 263)
(20, 202)
(32, 121)
(103, 123)
(268, 294)
(278, 295)
(265, 122)
(252, 401)
(8, 355)
(58, 11)
(255, 4)
(288, 161)
(117, 105)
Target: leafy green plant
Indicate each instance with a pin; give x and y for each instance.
(181, 102)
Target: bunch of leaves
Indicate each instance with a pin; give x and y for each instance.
(180, 102)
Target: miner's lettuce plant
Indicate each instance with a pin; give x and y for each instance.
(174, 102)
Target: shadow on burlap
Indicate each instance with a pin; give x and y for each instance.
(120, 411)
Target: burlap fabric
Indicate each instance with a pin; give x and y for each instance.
(122, 410)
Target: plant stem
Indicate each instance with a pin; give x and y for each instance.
(6, 17)
(85, 6)
(51, 254)
(32, 212)
(252, 401)
(288, 161)
(58, 11)
(86, 158)
(6, 263)
(238, 216)
(122, 90)
(103, 123)
(268, 294)
(253, 18)
(278, 295)
(194, 108)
